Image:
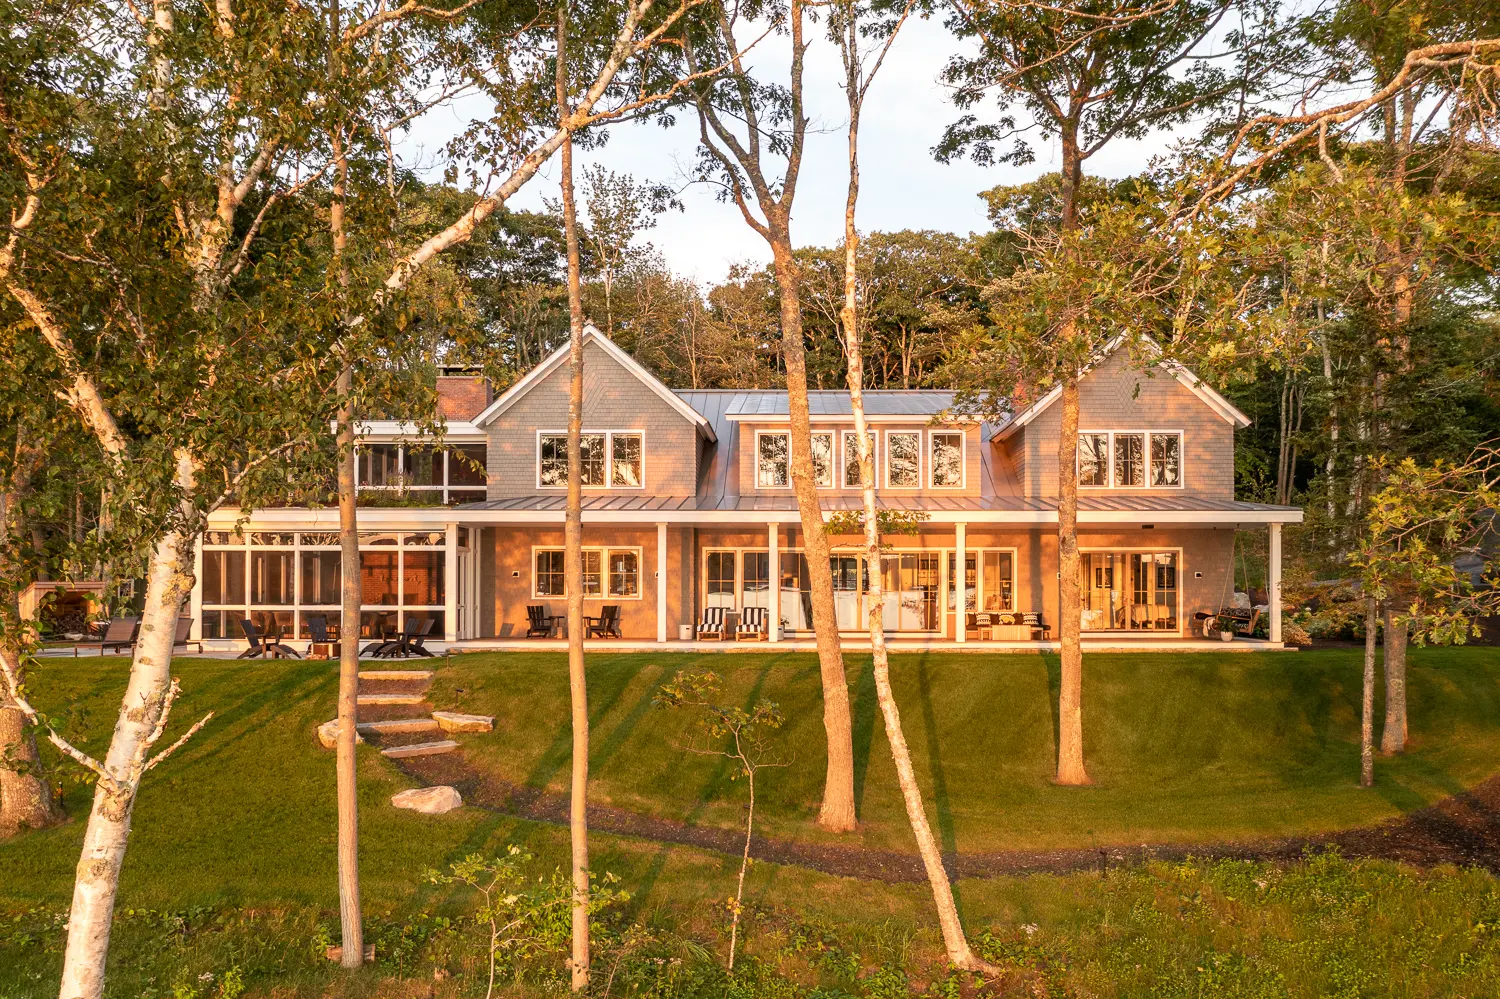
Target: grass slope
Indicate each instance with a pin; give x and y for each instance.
(1181, 747)
(231, 863)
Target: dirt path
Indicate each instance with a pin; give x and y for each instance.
(1462, 830)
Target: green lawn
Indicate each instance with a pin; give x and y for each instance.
(231, 863)
(1181, 747)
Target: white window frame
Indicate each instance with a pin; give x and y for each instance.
(1145, 436)
(773, 433)
(604, 552)
(1109, 459)
(1110, 451)
(609, 451)
(1181, 458)
(1182, 626)
(833, 459)
(963, 458)
(900, 433)
(844, 436)
(950, 566)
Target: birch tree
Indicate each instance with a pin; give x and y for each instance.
(747, 129)
(859, 74)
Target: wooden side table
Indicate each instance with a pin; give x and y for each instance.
(324, 650)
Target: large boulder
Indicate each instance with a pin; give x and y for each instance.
(429, 800)
(328, 734)
(453, 721)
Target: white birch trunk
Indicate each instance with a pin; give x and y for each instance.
(168, 582)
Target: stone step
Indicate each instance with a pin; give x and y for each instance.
(454, 721)
(376, 699)
(420, 749)
(398, 726)
(395, 674)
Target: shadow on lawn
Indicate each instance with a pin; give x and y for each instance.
(607, 683)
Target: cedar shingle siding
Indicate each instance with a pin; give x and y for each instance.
(1116, 396)
(613, 399)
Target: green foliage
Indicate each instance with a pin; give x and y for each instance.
(1419, 525)
(744, 731)
(896, 522)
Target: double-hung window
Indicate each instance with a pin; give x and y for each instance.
(903, 459)
(1093, 459)
(607, 572)
(851, 458)
(613, 459)
(822, 459)
(945, 460)
(773, 459)
(1130, 459)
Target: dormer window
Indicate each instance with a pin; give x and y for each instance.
(612, 459)
(903, 459)
(1130, 459)
(773, 459)
(945, 460)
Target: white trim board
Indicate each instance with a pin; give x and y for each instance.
(559, 357)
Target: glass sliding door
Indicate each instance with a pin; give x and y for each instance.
(1130, 591)
(910, 582)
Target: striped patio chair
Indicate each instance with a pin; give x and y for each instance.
(712, 625)
(752, 624)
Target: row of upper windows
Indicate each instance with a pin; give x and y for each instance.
(1134, 459)
(903, 459)
(611, 459)
(451, 474)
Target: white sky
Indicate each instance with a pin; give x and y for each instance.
(902, 186)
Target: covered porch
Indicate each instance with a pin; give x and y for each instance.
(468, 576)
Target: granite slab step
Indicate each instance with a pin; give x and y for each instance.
(377, 699)
(420, 749)
(395, 674)
(398, 726)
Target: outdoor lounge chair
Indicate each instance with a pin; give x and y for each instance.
(317, 628)
(394, 644)
(606, 625)
(411, 641)
(260, 647)
(712, 625)
(540, 624)
(752, 624)
(184, 629)
(120, 634)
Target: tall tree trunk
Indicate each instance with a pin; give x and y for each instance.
(837, 811)
(1367, 700)
(351, 586)
(960, 955)
(169, 579)
(573, 540)
(352, 597)
(1393, 733)
(26, 802)
(1070, 768)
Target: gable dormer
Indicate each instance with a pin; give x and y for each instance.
(639, 438)
(1158, 431)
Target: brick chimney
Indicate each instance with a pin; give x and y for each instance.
(463, 392)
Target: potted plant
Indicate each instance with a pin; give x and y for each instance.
(1224, 625)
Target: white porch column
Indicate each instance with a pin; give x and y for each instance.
(195, 600)
(450, 584)
(1273, 581)
(960, 582)
(661, 583)
(773, 541)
